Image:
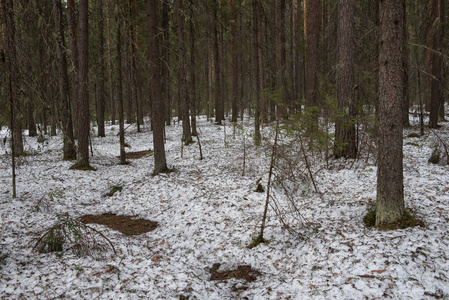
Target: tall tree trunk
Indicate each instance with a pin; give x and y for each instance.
(390, 187)
(13, 79)
(299, 52)
(69, 150)
(234, 80)
(281, 57)
(111, 84)
(345, 142)
(193, 96)
(182, 76)
(313, 37)
(406, 64)
(257, 36)
(219, 104)
(166, 77)
(160, 164)
(73, 46)
(121, 115)
(443, 24)
(101, 89)
(436, 95)
(132, 66)
(83, 115)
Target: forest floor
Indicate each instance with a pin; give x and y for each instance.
(207, 213)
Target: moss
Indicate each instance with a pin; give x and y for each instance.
(69, 156)
(435, 157)
(257, 241)
(413, 135)
(370, 218)
(76, 166)
(188, 142)
(3, 257)
(114, 189)
(408, 220)
(260, 189)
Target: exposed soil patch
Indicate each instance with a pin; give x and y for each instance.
(137, 154)
(128, 225)
(242, 272)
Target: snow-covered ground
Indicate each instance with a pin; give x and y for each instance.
(208, 213)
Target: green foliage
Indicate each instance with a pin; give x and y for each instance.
(114, 188)
(257, 241)
(71, 233)
(435, 157)
(370, 218)
(46, 201)
(3, 257)
(259, 188)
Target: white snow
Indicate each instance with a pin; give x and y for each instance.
(208, 213)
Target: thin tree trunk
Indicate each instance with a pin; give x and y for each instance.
(299, 57)
(101, 89)
(193, 66)
(436, 95)
(219, 104)
(182, 76)
(73, 46)
(257, 29)
(313, 37)
(234, 82)
(121, 115)
(111, 84)
(166, 76)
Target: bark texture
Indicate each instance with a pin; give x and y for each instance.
(345, 143)
(83, 115)
(101, 89)
(390, 188)
(160, 164)
(436, 95)
(69, 150)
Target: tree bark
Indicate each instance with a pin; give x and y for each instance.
(390, 188)
(111, 84)
(13, 78)
(313, 37)
(258, 67)
(193, 95)
(69, 150)
(436, 95)
(160, 164)
(182, 76)
(83, 115)
(121, 115)
(219, 104)
(101, 89)
(73, 46)
(234, 80)
(345, 142)
(166, 76)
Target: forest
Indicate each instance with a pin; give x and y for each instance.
(224, 149)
